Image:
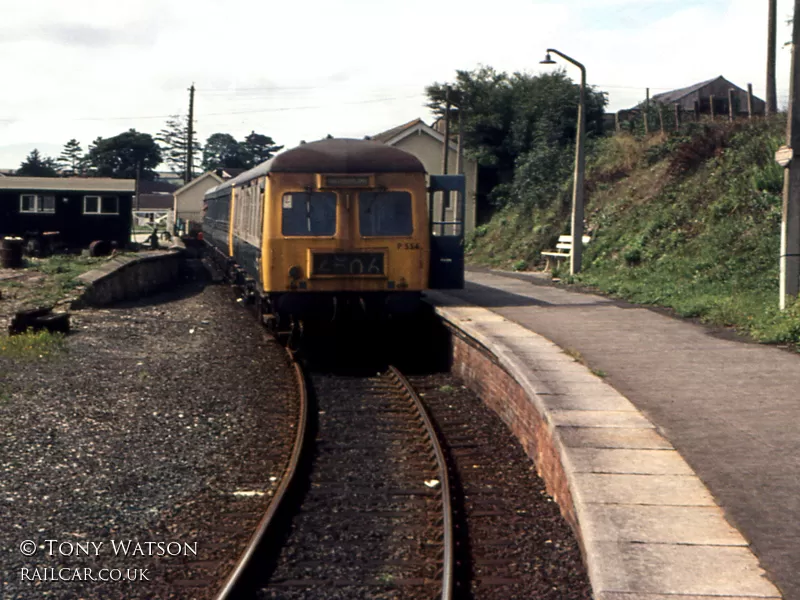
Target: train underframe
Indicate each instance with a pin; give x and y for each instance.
(288, 313)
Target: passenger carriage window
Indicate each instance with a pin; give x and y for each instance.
(385, 213)
(309, 213)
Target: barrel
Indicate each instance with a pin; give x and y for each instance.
(11, 253)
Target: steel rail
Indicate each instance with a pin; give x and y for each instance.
(447, 558)
(234, 579)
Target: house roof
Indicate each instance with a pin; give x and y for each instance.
(415, 126)
(154, 202)
(157, 186)
(676, 95)
(387, 135)
(229, 173)
(197, 180)
(63, 184)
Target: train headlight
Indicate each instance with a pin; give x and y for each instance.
(295, 272)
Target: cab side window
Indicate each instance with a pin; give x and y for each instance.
(309, 213)
(385, 213)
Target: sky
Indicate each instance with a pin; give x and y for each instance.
(301, 70)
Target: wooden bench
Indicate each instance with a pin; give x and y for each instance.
(563, 250)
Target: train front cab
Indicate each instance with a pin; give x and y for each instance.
(329, 260)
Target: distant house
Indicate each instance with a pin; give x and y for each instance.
(697, 97)
(81, 210)
(153, 203)
(426, 143)
(188, 200)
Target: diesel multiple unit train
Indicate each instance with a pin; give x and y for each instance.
(335, 228)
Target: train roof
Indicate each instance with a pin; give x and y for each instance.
(333, 156)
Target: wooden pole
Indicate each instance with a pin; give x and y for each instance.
(749, 100)
(445, 150)
(661, 117)
(731, 111)
(646, 109)
(677, 116)
(459, 171)
(711, 102)
(772, 93)
(445, 156)
(617, 126)
(190, 138)
(790, 223)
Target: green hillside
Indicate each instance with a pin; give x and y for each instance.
(689, 221)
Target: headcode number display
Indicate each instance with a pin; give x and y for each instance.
(348, 263)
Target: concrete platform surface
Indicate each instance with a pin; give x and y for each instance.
(671, 391)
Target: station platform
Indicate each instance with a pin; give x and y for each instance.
(656, 523)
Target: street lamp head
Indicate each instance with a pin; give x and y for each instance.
(547, 60)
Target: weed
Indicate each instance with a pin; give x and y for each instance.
(519, 265)
(447, 389)
(574, 355)
(32, 345)
(599, 373)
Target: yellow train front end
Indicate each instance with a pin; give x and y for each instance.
(342, 244)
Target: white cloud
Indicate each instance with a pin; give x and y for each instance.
(72, 69)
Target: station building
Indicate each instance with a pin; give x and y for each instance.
(79, 210)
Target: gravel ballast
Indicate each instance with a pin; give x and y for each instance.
(165, 421)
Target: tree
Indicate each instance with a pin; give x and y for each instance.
(119, 156)
(173, 140)
(222, 151)
(72, 160)
(258, 148)
(522, 127)
(36, 165)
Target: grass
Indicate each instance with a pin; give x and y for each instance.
(61, 276)
(578, 358)
(31, 346)
(689, 221)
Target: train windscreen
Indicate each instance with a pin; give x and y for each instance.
(385, 214)
(309, 213)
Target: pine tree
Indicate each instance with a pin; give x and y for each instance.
(173, 140)
(36, 165)
(72, 159)
(258, 148)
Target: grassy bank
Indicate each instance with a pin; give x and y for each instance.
(689, 221)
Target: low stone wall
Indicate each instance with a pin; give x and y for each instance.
(129, 277)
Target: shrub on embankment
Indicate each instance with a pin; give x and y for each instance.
(689, 221)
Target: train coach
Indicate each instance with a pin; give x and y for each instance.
(334, 229)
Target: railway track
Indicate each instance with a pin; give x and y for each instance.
(363, 510)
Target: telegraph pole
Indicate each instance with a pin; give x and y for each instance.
(445, 155)
(190, 138)
(790, 224)
(446, 129)
(772, 93)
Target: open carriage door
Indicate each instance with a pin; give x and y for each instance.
(446, 236)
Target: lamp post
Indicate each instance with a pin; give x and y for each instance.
(577, 189)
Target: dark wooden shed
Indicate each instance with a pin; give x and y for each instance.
(81, 210)
(700, 94)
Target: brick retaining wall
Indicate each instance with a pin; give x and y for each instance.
(481, 372)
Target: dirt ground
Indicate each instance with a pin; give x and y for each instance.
(162, 421)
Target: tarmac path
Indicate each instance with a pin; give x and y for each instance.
(731, 407)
